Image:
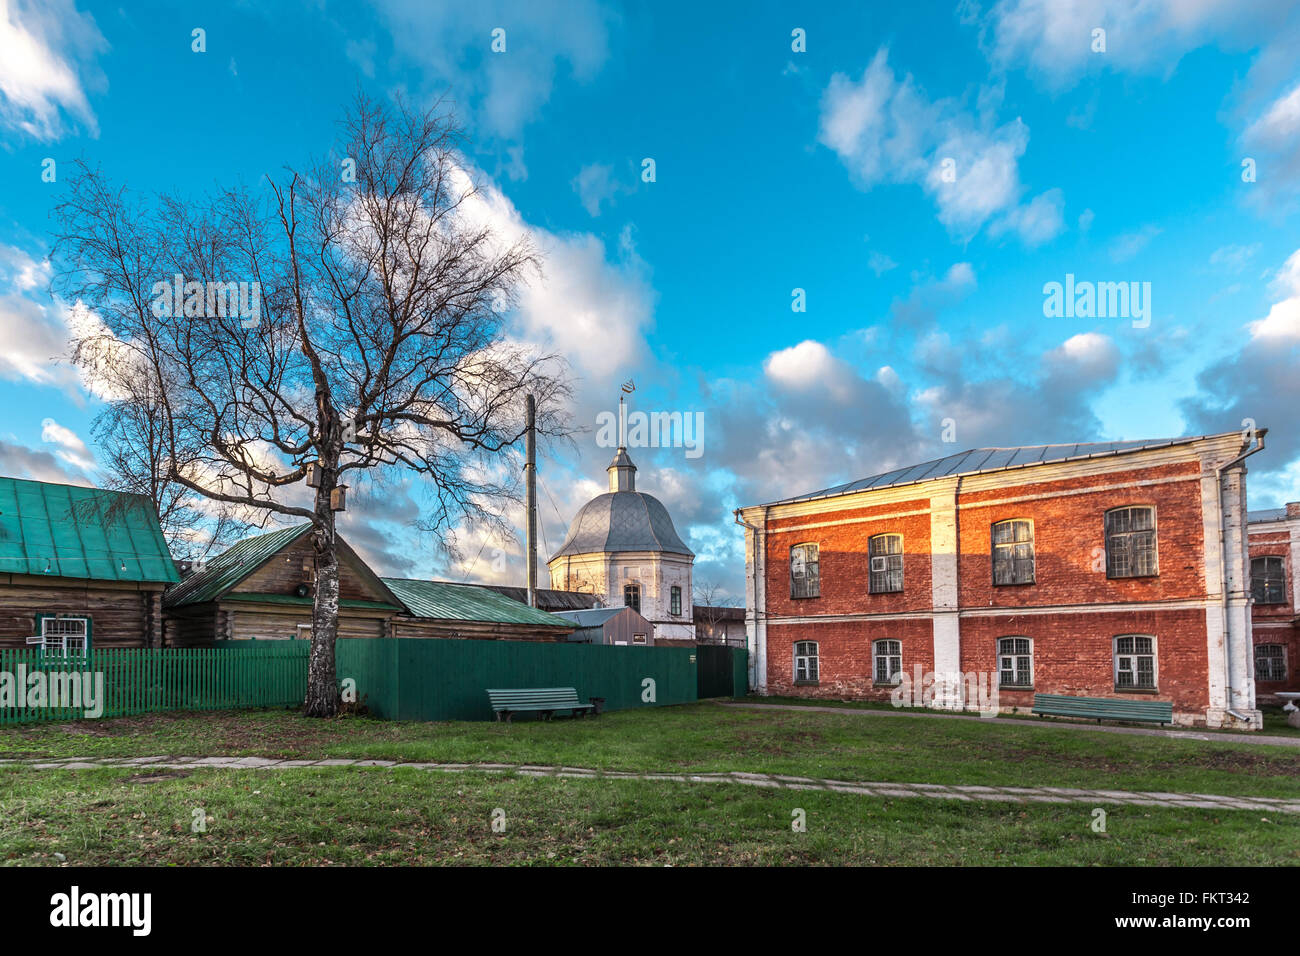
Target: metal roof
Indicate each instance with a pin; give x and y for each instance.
(72, 532)
(230, 567)
(979, 460)
(548, 599)
(1266, 514)
(591, 617)
(622, 521)
(444, 600)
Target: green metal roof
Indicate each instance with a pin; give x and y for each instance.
(73, 532)
(442, 600)
(231, 566)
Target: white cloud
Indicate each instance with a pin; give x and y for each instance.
(508, 89)
(879, 263)
(1127, 246)
(887, 130)
(595, 184)
(70, 447)
(45, 53)
(1281, 327)
(1232, 257)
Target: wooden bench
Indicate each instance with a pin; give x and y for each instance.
(1104, 708)
(544, 700)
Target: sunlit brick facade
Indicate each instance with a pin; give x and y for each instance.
(1088, 570)
(1274, 556)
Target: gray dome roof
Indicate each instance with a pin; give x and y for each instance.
(622, 521)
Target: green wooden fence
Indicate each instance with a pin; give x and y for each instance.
(119, 682)
(396, 678)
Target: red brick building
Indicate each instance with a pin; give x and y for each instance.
(1095, 570)
(1274, 555)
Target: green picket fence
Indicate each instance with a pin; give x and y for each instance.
(396, 678)
(119, 682)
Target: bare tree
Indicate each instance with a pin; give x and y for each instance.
(342, 323)
(706, 598)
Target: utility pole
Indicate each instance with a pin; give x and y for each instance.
(530, 473)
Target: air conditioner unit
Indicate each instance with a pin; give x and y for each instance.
(878, 564)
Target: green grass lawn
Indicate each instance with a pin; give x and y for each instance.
(405, 816)
(709, 737)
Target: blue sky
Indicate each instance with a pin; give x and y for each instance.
(776, 170)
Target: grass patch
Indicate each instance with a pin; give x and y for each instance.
(708, 737)
(378, 816)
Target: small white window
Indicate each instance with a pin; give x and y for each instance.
(63, 636)
(1135, 662)
(1131, 542)
(889, 661)
(1015, 662)
(806, 670)
(1270, 662)
(886, 551)
(638, 638)
(805, 571)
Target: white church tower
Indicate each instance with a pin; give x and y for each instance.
(623, 548)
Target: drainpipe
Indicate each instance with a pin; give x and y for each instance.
(1223, 566)
(754, 575)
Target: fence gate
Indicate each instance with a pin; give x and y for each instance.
(715, 671)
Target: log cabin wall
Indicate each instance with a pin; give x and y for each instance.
(275, 622)
(122, 614)
(295, 565)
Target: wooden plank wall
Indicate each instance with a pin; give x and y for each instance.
(122, 614)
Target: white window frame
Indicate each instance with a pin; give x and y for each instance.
(813, 590)
(1132, 657)
(638, 639)
(888, 654)
(1014, 657)
(1155, 541)
(675, 600)
(885, 561)
(1280, 559)
(812, 675)
(1281, 659)
(59, 646)
(1012, 545)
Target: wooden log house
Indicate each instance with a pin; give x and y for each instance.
(80, 568)
(261, 589)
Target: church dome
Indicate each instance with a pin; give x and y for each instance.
(623, 519)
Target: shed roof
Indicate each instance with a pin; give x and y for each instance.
(69, 531)
(448, 601)
(979, 460)
(592, 617)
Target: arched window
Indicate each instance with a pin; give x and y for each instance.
(675, 600)
(632, 597)
(1135, 662)
(886, 553)
(1013, 552)
(1268, 580)
(1131, 542)
(1015, 662)
(888, 656)
(805, 662)
(805, 571)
